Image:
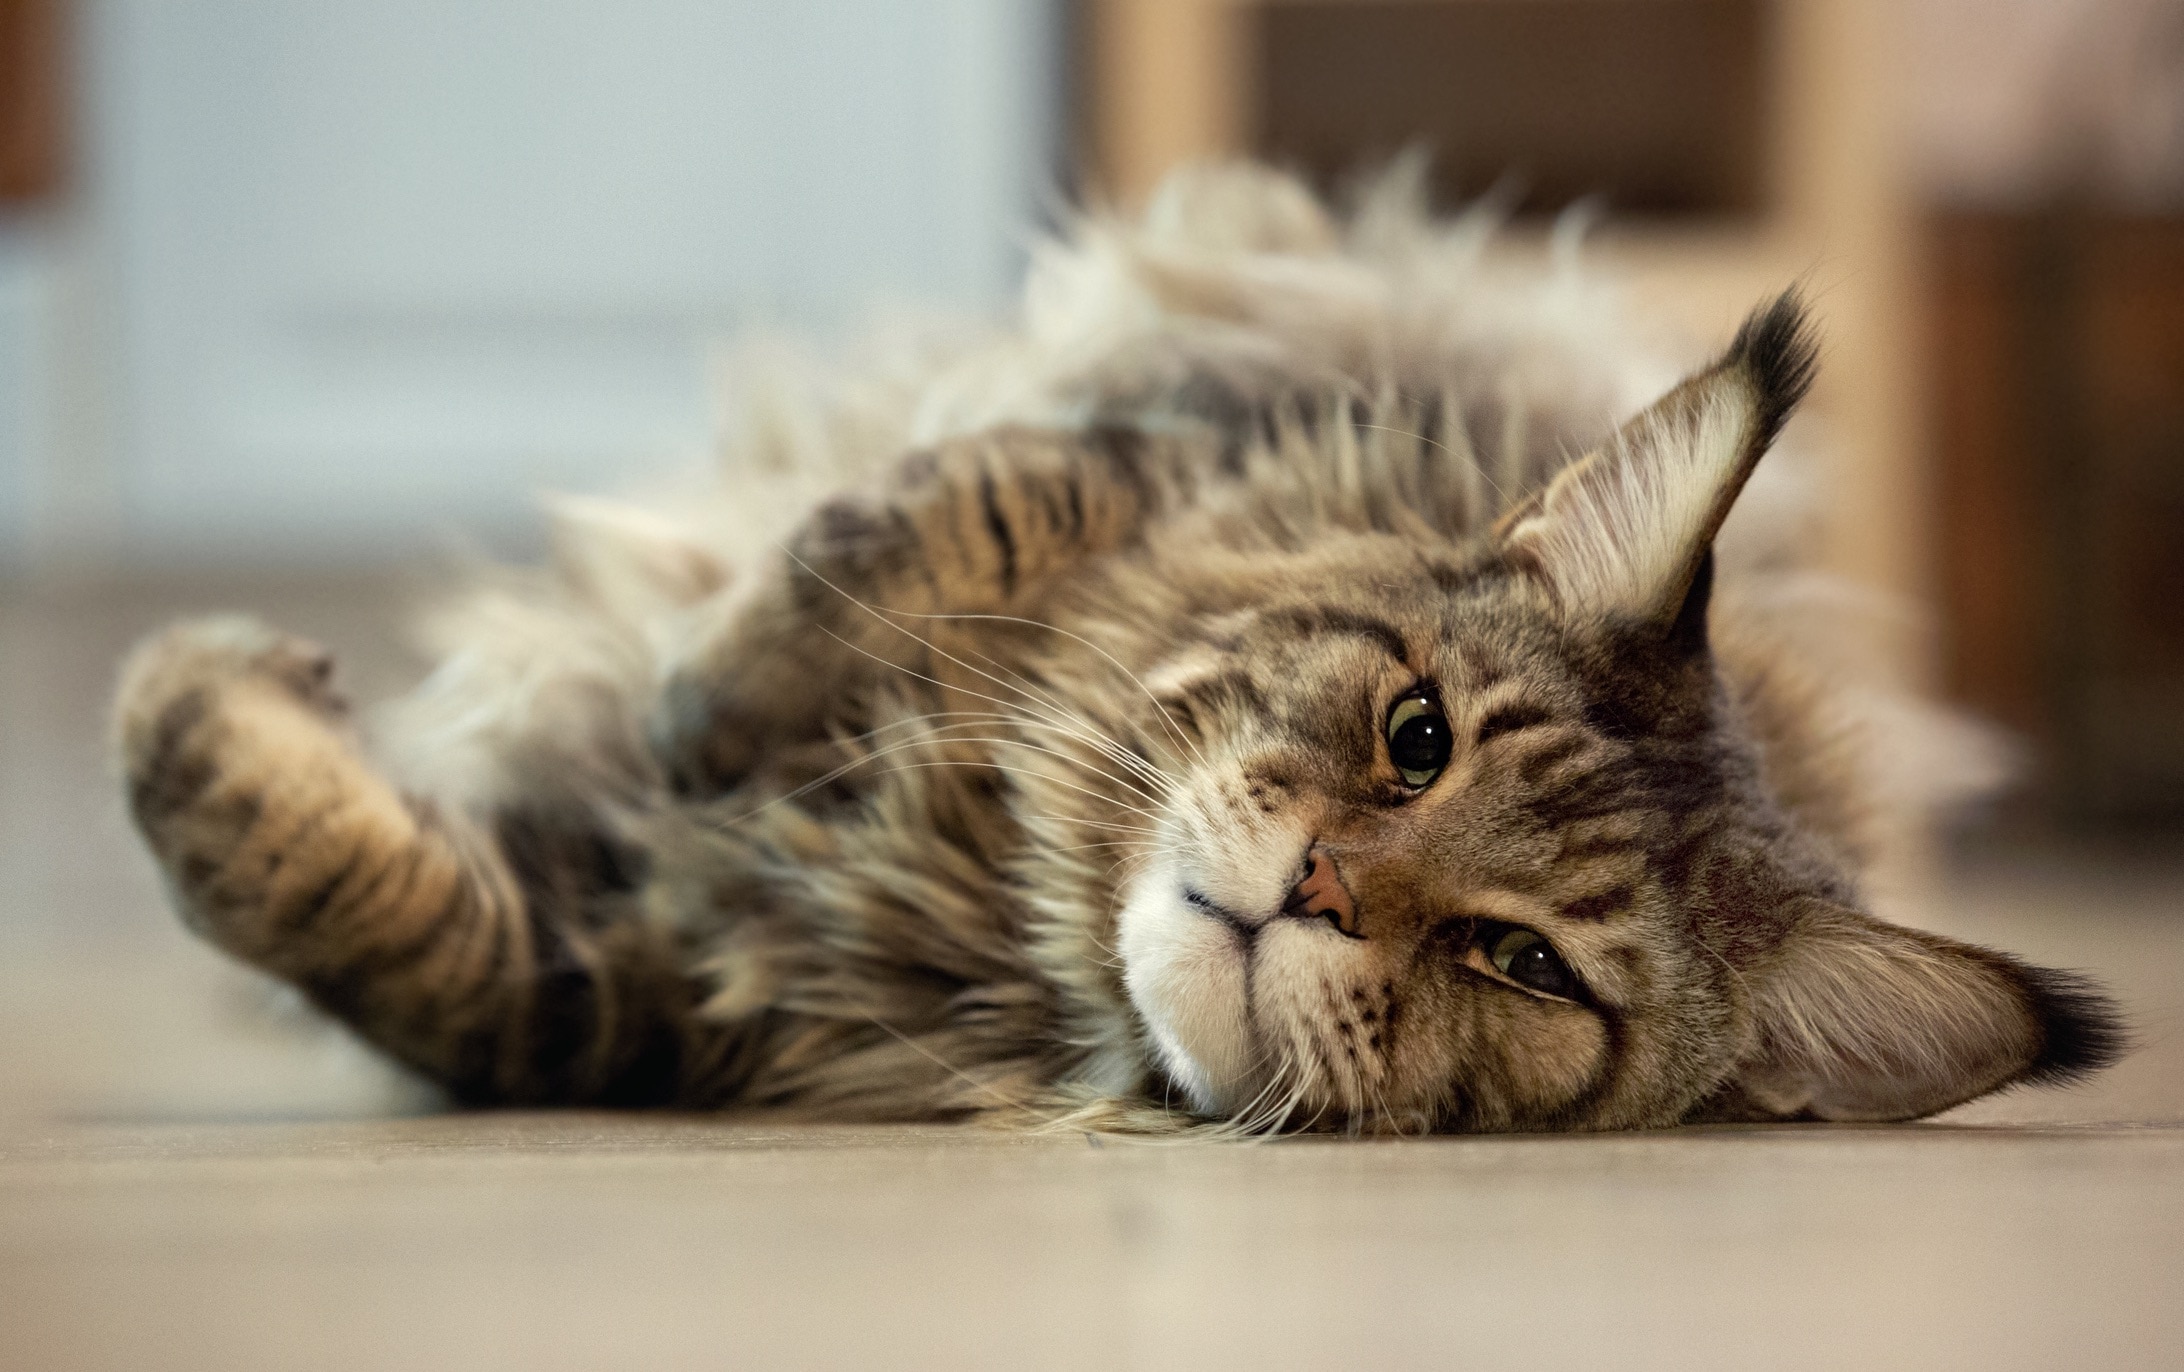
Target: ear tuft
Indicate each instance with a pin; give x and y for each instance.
(1779, 350)
(1620, 536)
(2081, 1031)
(1857, 1019)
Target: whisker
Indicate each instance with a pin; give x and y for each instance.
(921, 1050)
(1124, 758)
(864, 758)
(1468, 460)
(1727, 966)
(971, 718)
(1119, 752)
(920, 676)
(885, 618)
(1136, 857)
(1096, 824)
(945, 736)
(1166, 717)
(1244, 1120)
(1019, 771)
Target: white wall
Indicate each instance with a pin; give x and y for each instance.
(360, 272)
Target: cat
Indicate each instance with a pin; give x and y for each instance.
(1268, 690)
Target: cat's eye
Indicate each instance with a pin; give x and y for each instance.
(1419, 740)
(1529, 960)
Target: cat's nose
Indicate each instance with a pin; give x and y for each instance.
(1321, 895)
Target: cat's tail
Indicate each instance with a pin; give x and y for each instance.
(433, 935)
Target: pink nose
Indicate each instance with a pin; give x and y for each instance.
(1321, 895)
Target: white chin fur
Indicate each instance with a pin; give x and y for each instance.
(1186, 975)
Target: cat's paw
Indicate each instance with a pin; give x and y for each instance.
(179, 688)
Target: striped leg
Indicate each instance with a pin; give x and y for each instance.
(282, 845)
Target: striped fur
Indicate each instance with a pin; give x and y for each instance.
(1044, 773)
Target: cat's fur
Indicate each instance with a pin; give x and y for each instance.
(1047, 773)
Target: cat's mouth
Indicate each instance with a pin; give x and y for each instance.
(1189, 960)
(1242, 925)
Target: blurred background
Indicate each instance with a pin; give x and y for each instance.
(298, 300)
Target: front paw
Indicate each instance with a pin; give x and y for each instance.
(177, 686)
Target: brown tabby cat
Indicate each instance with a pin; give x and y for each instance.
(1286, 734)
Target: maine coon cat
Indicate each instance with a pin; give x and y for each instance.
(1290, 681)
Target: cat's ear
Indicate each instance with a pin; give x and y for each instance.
(1623, 533)
(1862, 1020)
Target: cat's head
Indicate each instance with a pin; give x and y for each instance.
(1477, 838)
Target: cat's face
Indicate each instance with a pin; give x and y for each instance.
(1433, 865)
(1473, 840)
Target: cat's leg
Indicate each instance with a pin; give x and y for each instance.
(978, 527)
(283, 846)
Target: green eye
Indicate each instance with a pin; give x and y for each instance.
(1529, 960)
(1418, 739)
